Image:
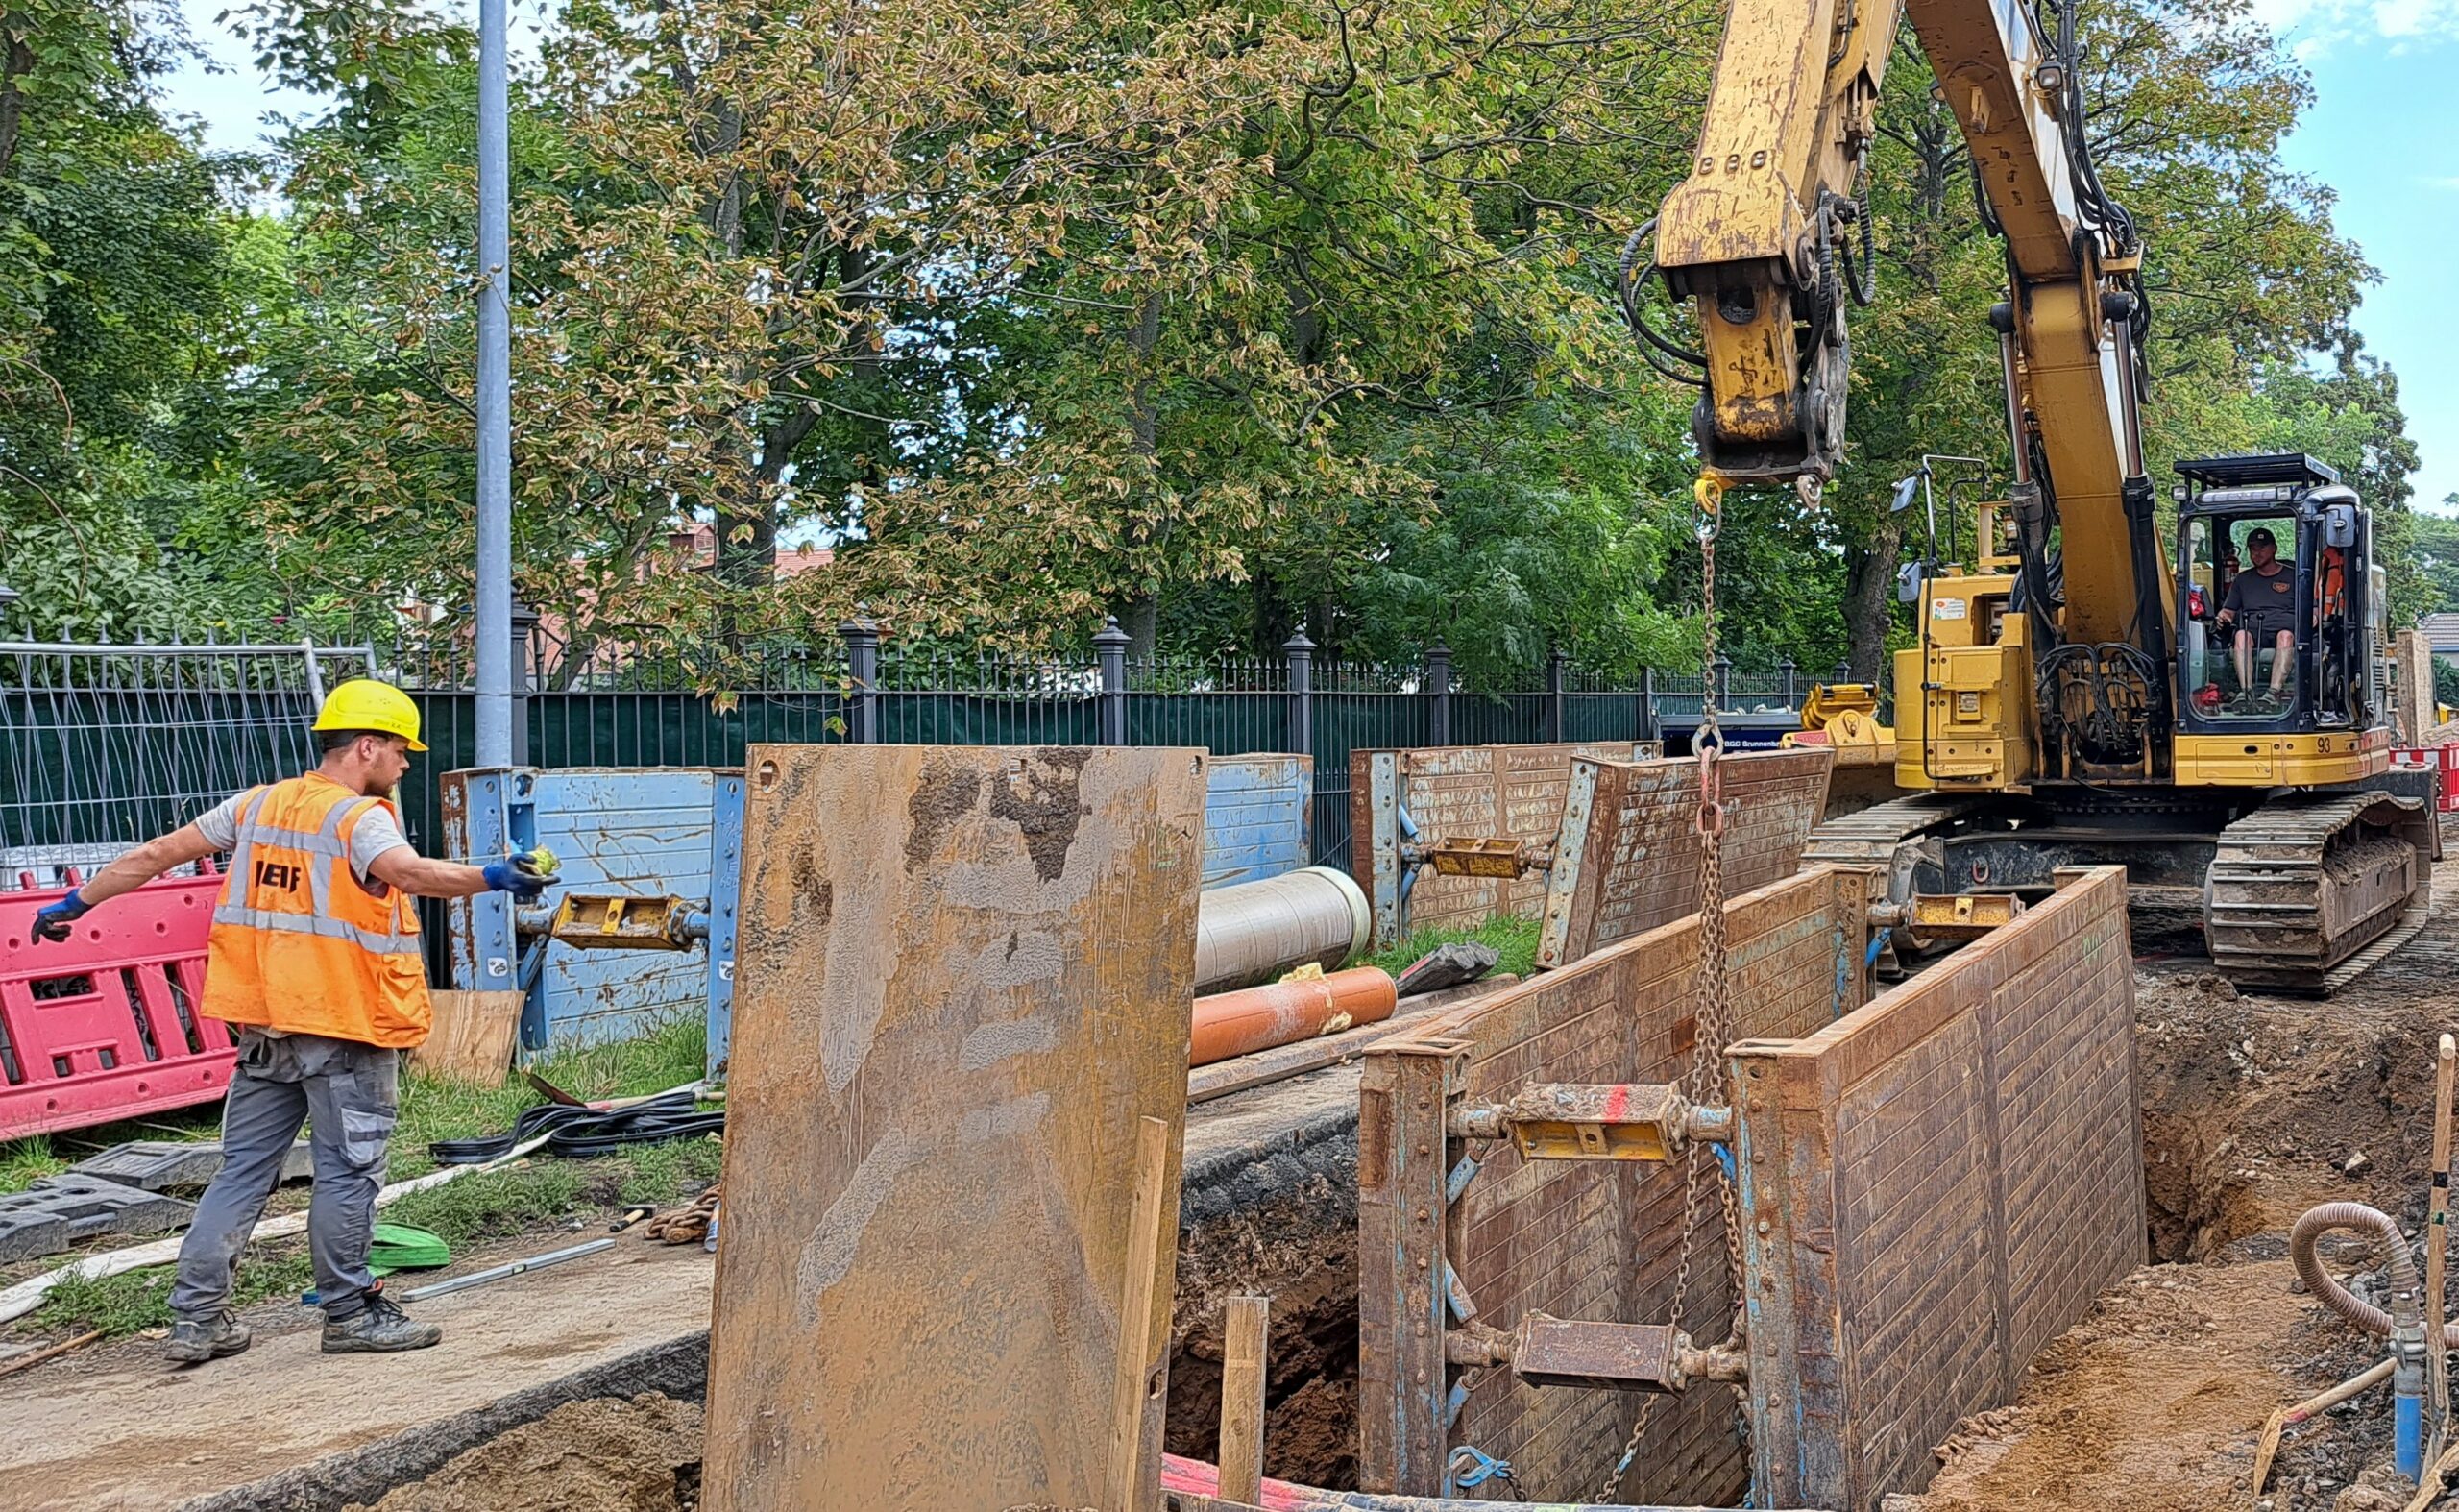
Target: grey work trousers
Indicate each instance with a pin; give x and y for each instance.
(349, 1095)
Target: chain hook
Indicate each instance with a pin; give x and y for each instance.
(1708, 496)
(1712, 786)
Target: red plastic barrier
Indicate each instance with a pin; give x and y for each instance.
(106, 1026)
(2442, 758)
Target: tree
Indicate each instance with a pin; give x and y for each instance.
(123, 292)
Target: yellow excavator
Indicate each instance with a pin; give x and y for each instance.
(2212, 715)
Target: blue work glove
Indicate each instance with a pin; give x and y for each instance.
(517, 875)
(52, 920)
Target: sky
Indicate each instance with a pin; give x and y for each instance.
(2383, 131)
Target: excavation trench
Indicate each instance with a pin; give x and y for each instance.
(2254, 1109)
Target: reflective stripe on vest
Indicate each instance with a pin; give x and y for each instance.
(300, 943)
(327, 843)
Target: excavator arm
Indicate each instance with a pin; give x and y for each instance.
(1768, 239)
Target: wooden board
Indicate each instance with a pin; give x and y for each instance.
(963, 980)
(472, 1036)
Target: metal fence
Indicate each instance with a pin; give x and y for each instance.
(108, 745)
(102, 746)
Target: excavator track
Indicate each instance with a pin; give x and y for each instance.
(2307, 893)
(1871, 837)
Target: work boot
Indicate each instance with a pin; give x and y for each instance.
(194, 1340)
(383, 1329)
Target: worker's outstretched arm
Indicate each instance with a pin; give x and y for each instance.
(424, 877)
(131, 872)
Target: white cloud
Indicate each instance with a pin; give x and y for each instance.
(2311, 28)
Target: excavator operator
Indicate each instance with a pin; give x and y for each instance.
(2260, 605)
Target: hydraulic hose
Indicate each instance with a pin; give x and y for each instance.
(2404, 1325)
(2401, 1265)
(570, 1130)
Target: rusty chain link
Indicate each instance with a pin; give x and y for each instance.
(1711, 1010)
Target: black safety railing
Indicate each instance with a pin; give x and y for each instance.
(622, 697)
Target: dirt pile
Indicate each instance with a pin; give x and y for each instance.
(606, 1455)
(2254, 1109)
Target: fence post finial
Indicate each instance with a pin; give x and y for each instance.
(1110, 647)
(863, 670)
(1301, 652)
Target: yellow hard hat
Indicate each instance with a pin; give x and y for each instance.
(363, 703)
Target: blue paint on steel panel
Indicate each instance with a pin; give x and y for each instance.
(1255, 817)
(645, 832)
(725, 896)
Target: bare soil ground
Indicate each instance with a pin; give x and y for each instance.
(610, 1454)
(2255, 1108)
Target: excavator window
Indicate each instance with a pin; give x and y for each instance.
(2239, 636)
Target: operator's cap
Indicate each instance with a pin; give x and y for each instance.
(363, 703)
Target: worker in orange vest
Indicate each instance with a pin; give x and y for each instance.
(314, 959)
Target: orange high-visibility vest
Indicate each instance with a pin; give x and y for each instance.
(298, 945)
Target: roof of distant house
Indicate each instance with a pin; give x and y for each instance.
(792, 561)
(2440, 631)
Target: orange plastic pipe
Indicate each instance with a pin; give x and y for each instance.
(1284, 1013)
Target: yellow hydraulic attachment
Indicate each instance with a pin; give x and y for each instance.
(1844, 718)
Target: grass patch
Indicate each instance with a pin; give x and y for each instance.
(135, 1300)
(1513, 940)
(535, 1193)
(673, 1052)
(497, 1205)
(24, 1161)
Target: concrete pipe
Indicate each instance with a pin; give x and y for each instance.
(1284, 1013)
(1257, 931)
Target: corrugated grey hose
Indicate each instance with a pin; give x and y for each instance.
(2406, 1310)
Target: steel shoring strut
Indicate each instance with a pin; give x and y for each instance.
(1710, 1007)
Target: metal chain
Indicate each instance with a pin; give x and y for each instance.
(1710, 1007)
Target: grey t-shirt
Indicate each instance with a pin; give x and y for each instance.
(2262, 599)
(375, 835)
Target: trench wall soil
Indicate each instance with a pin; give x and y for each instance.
(1601, 1241)
(1934, 1188)
(1275, 1216)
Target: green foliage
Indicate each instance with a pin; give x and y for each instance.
(2445, 682)
(1224, 318)
(2434, 552)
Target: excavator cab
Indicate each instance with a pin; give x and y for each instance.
(2275, 627)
